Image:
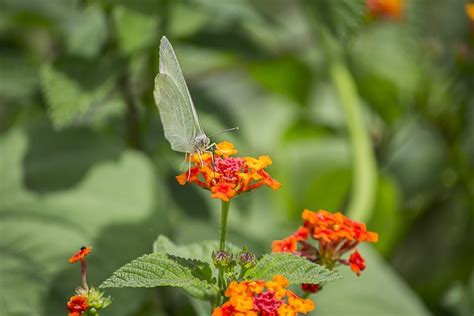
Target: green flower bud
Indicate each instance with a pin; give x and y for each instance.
(222, 258)
(246, 259)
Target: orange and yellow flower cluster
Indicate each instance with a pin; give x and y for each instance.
(226, 176)
(336, 235)
(388, 9)
(259, 298)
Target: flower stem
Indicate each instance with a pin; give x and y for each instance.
(224, 213)
(84, 275)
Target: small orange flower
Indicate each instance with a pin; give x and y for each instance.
(81, 254)
(225, 149)
(357, 262)
(226, 176)
(77, 305)
(336, 235)
(391, 9)
(258, 298)
(470, 11)
(288, 244)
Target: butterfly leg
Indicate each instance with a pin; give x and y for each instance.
(189, 167)
(182, 164)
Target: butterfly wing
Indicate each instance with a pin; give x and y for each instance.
(169, 65)
(176, 116)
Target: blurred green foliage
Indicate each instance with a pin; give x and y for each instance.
(83, 159)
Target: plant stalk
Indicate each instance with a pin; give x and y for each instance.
(224, 214)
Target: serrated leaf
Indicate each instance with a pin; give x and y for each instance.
(161, 269)
(295, 268)
(200, 250)
(70, 93)
(135, 30)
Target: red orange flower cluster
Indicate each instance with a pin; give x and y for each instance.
(87, 300)
(390, 9)
(77, 305)
(336, 235)
(254, 298)
(226, 176)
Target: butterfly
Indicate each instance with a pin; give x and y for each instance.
(178, 115)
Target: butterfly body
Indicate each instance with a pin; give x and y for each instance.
(178, 115)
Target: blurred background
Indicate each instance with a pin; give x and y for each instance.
(365, 107)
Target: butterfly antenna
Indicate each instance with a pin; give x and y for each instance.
(225, 131)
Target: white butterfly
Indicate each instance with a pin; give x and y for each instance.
(178, 115)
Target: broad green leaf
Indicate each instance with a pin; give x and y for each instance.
(416, 143)
(314, 161)
(288, 76)
(87, 32)
(295, 268)
(387, 217)
(378, 291)
(395, 61)
(40, 232)
(129, 24)
(72, 87)
(187, 20)
(199, 251)
(18, 78)
(161, 269)
(343, 17)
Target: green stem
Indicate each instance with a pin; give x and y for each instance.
(224, 214)
(364, 165)
(364, 180)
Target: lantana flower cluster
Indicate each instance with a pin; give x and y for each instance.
(86, 301)
(389, 9)
(254, 298)
(226, 176)
(335, 235)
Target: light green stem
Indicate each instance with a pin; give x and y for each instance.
(364, 165)
(224, 214)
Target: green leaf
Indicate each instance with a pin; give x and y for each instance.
(87, 32)
(295, 268)
(200, 250)
(161, 269)
(343, 17)
(19, 76)
(135, 31)
(39, 232)
(378, 291)
(288, 76)
(72, 87)
(397, 61)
